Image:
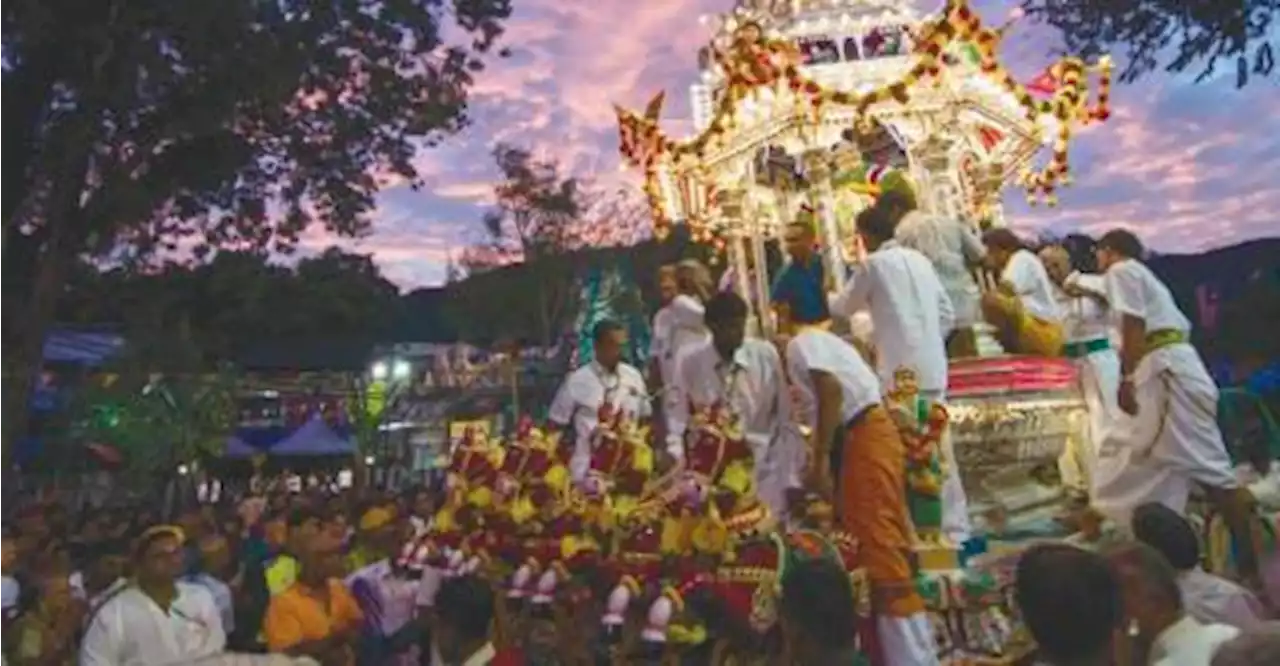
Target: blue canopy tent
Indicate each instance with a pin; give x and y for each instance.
(313, 438)
(237, 448)
(86, 348)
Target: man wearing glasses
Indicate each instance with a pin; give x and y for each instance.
(156, 619)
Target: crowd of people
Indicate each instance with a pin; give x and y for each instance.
(317, 575)
(306, 575)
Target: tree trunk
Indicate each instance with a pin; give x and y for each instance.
(55, 256)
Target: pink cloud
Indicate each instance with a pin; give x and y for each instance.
(1189, 166)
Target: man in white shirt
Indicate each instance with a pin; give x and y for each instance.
(1086, 324)
(912, 316)
(677, 325)
(1166, 437)
(1153, 603)
(856, 457)
(605, 380)
(954, 249)
(1022, 308)
(1206, 597)
(747, 377)
(157, 620)
(660, 328)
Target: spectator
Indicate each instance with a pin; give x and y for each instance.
(1156, 617)
(1071, 603)
(464, 615)
(217, 573)
(1206, 597)
(817, 613)
(156, 620)
(46, 632)
(316, 616)
(1259, 646)
(105, 574)
(304, 525)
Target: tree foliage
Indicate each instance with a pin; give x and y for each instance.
(1185, 34)
(155, 125)
(547, 223)
(238, 302)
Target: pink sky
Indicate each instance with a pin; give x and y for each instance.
(1192, 166)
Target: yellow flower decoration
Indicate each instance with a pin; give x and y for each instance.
(445, 521)
(680, 634)
(573, 544)
(674, 533)
(711, 536)
(624, 505)
(642, 459)
(737, 477)
(481, 497)
(522, 510)
(557, 478)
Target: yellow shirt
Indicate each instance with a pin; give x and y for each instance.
(281, 574)
(295, 617)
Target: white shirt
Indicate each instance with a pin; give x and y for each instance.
(387, 600)
(753, 385)
(1210, 598)
(1132, 289)
(952, 247)
(676, 326)
(12, 591)
(578, 402)
(222, 598)
(814, 349)
(131, 630)
(1189, 643)
(1032, 285)
(1084, 318)
(910, 311)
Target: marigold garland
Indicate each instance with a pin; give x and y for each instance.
(755, 61)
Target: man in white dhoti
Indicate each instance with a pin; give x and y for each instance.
(1166, 438)
(955, 251)
(747, 377)
(605, 380)
(1086, 324)
(911, 316)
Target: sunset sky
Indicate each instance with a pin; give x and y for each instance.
(1192, 166)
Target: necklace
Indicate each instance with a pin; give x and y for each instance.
(611, 381)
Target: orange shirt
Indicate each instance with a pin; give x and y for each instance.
(295, 617)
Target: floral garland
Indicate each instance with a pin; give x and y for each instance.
(756, 61)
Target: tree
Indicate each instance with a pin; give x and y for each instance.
(160, 124)
(1188, 33)
(536, 222)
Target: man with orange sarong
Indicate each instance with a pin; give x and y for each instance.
(1022, 307)
(856, 457)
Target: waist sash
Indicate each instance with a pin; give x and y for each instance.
(1086, 347)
